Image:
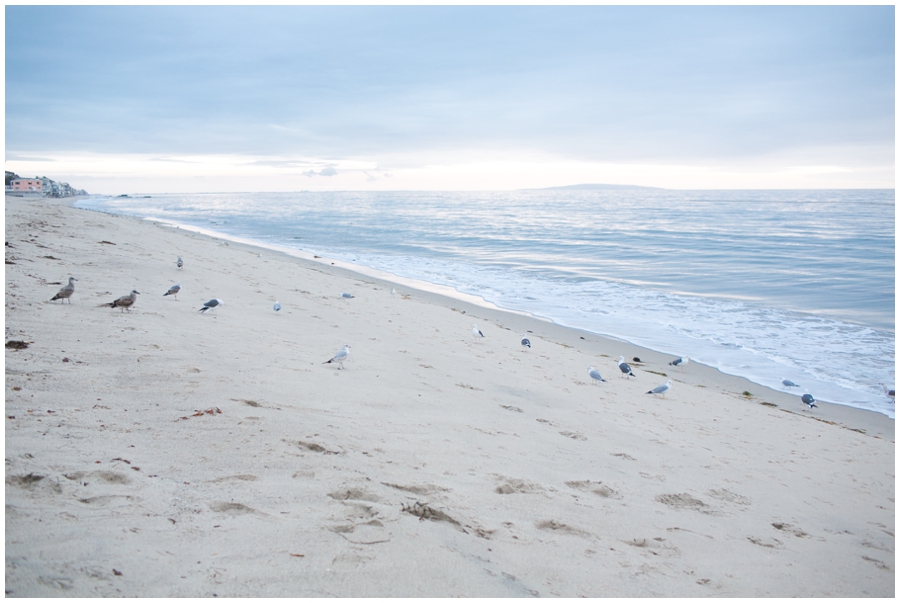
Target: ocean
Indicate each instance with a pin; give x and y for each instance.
(761, 284)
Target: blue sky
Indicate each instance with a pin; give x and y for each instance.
(179, 99)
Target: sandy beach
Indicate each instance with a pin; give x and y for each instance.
(163, 452)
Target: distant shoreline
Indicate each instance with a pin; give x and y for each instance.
(597, 187)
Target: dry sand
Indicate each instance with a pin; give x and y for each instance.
(432, 465)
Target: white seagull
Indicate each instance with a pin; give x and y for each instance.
(476, 332)
(212, 304)
(887, 392)
(808, 399)
(66, 292)
(276, 307)
(788, 383)
(680, 362)
(594, 374)
(526, 343)
(626, 370)
(179, 263)
(662, 389)
(173, 290)
(341, 357)
(393, 290)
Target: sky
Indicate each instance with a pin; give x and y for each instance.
(153, 99)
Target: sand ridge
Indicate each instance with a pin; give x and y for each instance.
(161, 452)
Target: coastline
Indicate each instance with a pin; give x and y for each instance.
(314, 481)
(756, 337)
(598, 344)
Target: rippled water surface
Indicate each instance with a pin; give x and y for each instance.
(762, 284)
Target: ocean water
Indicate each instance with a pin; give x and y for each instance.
(761, 284)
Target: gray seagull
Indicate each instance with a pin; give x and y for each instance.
(680, 362)
(341, 357)
(788, 383)
(66, 292)
(173, 290)
(212, 304)
(526, 343)
(594, 374)
(808, 399)
(626, 370)
(662, 389)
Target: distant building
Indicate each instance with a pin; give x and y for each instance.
(34, 185)
(41, 185)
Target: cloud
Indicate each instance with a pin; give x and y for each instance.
(322, 91)
(328, 171)
(18, 157)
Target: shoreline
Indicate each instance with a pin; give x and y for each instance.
(163, 452)
(447, 297)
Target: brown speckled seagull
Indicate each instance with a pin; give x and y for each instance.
(126, 301)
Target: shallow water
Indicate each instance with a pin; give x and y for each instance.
(761, 284)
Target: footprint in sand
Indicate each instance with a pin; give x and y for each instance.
(353, 493)
(789, 529)
(109, 477)
(102, 501)
(517, 486)
(769, 543)
(558, 527)
(414, 489)
(597, 487)
(731, 497)
(686, 501)
(232, 508)
(33, 483)
(654, 546)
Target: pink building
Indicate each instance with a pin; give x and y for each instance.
(26, 184)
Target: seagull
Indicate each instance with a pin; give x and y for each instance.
(680, 362)
(276, 307)
(126, 301)
(476, 332)
(662, 389)
(173, 290)
(347, 296)
(595, 375)
(212, 304)
(179, 263)
(526, 343)
(66, 292)
(341, 357)
(788, 383)
(808, 400)
(887, 392)
(393, 290)
(626, 370)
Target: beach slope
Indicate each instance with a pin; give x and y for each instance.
(158, 451)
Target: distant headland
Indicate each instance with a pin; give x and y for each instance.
(596, 187)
